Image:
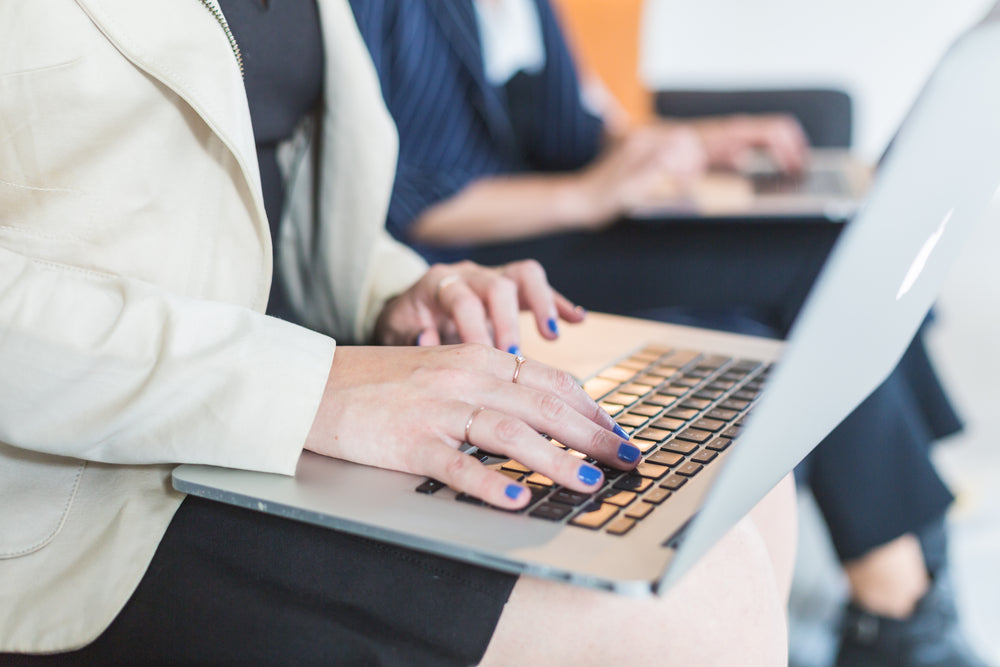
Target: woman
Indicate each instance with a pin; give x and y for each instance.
(136, 261)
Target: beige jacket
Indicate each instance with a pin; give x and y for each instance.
(134, 266)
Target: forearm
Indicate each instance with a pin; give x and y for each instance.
(507, 208)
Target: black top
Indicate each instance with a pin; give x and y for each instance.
(282, 49)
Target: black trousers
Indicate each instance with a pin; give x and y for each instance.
(232, 586)
(872, 477)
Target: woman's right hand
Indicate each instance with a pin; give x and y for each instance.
(411, 408)
(644, 163)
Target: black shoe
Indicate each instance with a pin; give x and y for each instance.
(930, 637)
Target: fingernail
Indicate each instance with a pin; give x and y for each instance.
(513, 491)
(553, 327)
(420, 339)
(514, 349)
(628, 453)
(589, 475)
(620, 432)
(581, 310)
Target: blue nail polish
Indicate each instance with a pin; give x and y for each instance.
(514, 349)
(553, 327)
(589, 475)
(628, 453)
(420, 339)
(513, 491)
(620, 432)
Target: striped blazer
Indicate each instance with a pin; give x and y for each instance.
(454, 126)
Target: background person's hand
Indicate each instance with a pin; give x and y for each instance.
(639, 165)
(731, 141)
(411, 408)
(466, 302)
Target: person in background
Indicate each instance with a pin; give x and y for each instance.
(501, 157)
(139, 175)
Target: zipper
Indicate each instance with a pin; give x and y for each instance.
(217, 13)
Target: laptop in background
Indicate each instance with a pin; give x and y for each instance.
(831, 188)
(871, 297)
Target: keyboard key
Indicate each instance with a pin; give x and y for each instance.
(646, 409)
(673, 482)
(698, 403)
(708, 395)
(621, 398)
(663, 371)
(734, 404)
(634, 364)
(687, 381)
(719, 444)
(695, 435)
(515, 466)
(721, 414)
(668, 423)
(704, 456)
(665, 458)
(538, 479)
(619, 498)
(466, 498)
(628, 419)
(567, 497)
(660, 400)
(731, 432)
(612, 409)
(649, 379)
(551, 511)
(653, 433)
(598, 387)
(706, 424)
(429, 486)
(689, 469)
(679, 446)
(673, 390)
(651, 470)
(639, 510)
(594, 515)
(621, 525)
(635, 389)
(643, 444)
(746, 394)
(682, 413)
(632, 482)
(656, 496)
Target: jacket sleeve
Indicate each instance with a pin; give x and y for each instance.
(105, 368)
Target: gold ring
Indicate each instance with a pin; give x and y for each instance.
(519, 359)
(450, 279)
(468, 424)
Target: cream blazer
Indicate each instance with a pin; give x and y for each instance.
(134, 266)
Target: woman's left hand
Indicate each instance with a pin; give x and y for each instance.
(466, 302)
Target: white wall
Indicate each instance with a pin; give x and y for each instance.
(880, 51)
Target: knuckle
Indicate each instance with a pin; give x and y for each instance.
(552, 408)
(563, 383)
(507, 430)
(457, 467)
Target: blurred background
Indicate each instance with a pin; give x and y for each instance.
(879, 54)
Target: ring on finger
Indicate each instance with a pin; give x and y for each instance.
(519, 359)
(472, 418)
(450, 279)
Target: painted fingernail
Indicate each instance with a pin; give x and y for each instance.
(420, 339)
(628, 453)
(553, 327)
(588, 474)
(620, 432)
(514, 349)
(513, 491)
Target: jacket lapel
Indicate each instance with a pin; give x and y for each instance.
(182, 45)
(458, 23)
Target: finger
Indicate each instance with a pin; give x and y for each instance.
(506, 434)
(466, 474)
(461, 304)
(428, 337)
(548, 413)
(536, 295)
(568, 310)
(500, 295)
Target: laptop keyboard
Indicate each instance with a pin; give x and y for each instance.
(681, 409)
(815, 182)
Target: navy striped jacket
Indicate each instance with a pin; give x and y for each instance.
(454, 127)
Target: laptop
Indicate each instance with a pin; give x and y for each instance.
(831, 188)
(871, 297)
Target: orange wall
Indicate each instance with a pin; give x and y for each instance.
(604, 36)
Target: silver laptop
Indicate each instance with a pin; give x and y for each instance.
(940, 179)
(831, 188)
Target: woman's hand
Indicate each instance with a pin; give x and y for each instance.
(730, 141)
(411, 409)
(466, 302)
